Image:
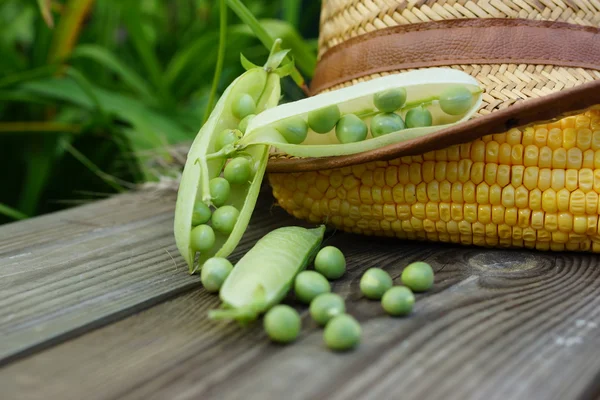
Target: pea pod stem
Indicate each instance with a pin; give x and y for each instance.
(204, 180)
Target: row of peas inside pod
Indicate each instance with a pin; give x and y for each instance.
(276, 266)
(226, 163)
(368, 115)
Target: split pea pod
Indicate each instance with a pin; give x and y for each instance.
(265, 274)
(252, 92)
(370, 114)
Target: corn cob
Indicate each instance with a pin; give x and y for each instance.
(535, 187)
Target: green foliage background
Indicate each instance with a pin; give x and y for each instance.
(93, 93)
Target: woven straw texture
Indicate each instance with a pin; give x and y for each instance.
(377, 198)
(504, 83)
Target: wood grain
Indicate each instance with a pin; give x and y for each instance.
(498, 324)
(65, 273)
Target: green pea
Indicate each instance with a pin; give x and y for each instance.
(310, 284)
(390, 100)
(351, 129)
(326, 306)
(342, 332)
(375, 282)
(330, 262)
(418, 276)
(384, 123)
(243, 106)
(214, 272)
(238, 171)
(201, 214)
(225, 137)
(219, 190)
(244, 122)
(224, 219)
(202, 238)
(456, 100)
(282, 323)
(418, 117)
(294, 130)
(398, 301)
(324, 119)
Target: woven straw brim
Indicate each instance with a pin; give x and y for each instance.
(503, 84)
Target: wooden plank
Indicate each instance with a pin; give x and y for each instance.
(65, 273)
(498, 324)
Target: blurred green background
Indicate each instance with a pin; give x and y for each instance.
(93, 94)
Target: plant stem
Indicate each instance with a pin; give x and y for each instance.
(220, 58)
(246, 16)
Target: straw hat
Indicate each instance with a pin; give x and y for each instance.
(536, 60)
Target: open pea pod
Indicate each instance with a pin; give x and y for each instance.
(368, 115)
(251, 93)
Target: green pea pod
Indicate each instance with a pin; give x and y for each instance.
(426, 87)
(265, 274)
(204, 162)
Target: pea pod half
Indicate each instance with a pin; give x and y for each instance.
(254, 91)
(449, 95)
(265, 274)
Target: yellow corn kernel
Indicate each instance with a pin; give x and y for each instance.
(531, 155)
(391, 176)
(569, 138)
(549, 202)
(511, 216)
(418, 210)
(495, 194)
(528, 136)
(464, 170)
(410, 193)
(432, 211)
(491, 152)
(559, 158)
(490, 173)
(457, 192)
(535, 199)
(484, 213)
(403, 174)
(445, 191)
(521, 197)
(588, 159)
(470, 213)
(504, 154)
(596, 140)
(508, 196)
(563, 196)
(422, 192)
(574, 158)
(558, 179)
(592, 225)
(545, 157)
(516, 156)
(586, 179)
(433, 191)
(478, 151)
(591, 203)
(513, 136)
(498, 214)
(503, 175)
(577, 203)
(571, 179)
(530, 178)
(517, 175)
(428, 171)
(445, 212)
(524, 217)
(439, 173)
(483, 193)
(555, 138)
(580, 224)
(469, 192)
(544, 179)
(456, 212)
(452, 171)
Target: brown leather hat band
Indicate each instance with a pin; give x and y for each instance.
(459, 41)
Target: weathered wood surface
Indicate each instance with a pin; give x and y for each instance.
(498, 325)
(66, 273)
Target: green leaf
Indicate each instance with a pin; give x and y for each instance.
(104, 57)
(246, 63)
(44, 6)
(11, 212)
